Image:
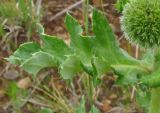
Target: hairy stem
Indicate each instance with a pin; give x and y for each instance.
(155, 101)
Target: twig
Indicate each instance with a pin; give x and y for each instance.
(137, 51)
(34, 89)
(5, 69)
(133, 92)
(38, 103)
(65, 10)
(120, 38)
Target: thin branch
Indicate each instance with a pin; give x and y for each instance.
(66, 10)
(137, 51)
(34, 89)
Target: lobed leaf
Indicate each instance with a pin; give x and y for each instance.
(95, 55)
(70, 67)
(56, 47)
(74, 29)
(106, 44)
(82, 45)
(39, 61)
(24, 52)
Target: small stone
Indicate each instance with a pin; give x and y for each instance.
(24, 83)
(11, 75)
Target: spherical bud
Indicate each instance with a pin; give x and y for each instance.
(141, 22)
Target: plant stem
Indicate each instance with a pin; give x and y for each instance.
(155, 101)
(90, 89)
(102, 5)
(85, 13)
(88, 85)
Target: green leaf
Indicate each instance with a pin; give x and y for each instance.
(82, 45)
(84, 49)
(39, 61)
(14, 60)
(106, 44)
(92, 71)
(122, 69)
(106, 49)
(24, 52)
(101, 65)
(70, 67)
(128, 74)
(55, 46)
(151, 80)
(74, 29)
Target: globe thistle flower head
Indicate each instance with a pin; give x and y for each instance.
(141, 22)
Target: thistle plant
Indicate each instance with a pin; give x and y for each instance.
(95, 56)
(141, 25)
(140, 22)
